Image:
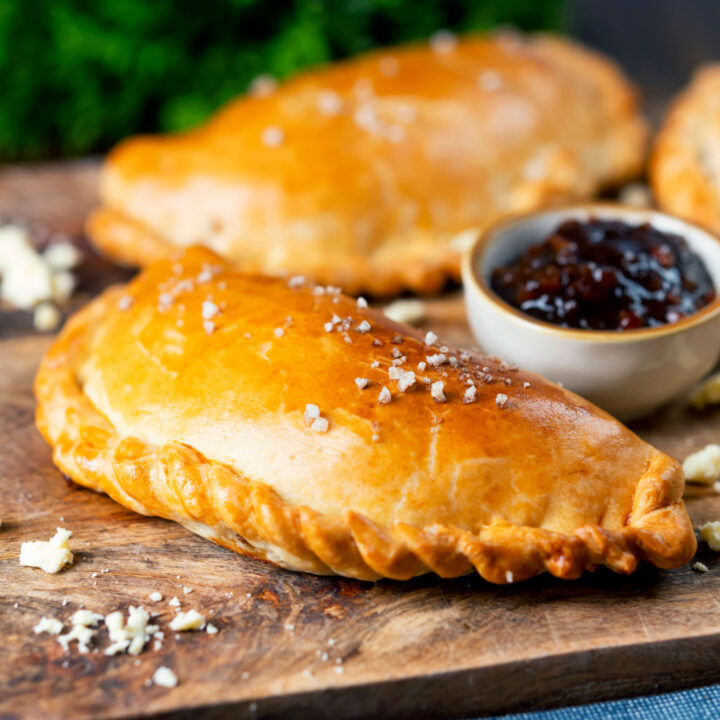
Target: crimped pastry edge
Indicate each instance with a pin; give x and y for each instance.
(176, 482)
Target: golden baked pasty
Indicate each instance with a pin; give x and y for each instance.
(362, 174)
(291, 423)
(685, 162)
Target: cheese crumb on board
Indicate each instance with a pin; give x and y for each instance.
(46, 317)
(406, 311)
(165, 677)
(156, 596)
(703, 466)
(710, 533)
(700, 567)
(62, 255)
(190, 620)
(174, 602)
(130, 636)
(82, 623)
(211, 629)
(707, 393)
(29, 278)
(48, 625)
(51, 555)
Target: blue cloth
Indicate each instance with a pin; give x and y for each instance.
(698, 704)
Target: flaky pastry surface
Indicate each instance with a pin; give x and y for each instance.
(367, 174)
(193, 394)
(685, 161)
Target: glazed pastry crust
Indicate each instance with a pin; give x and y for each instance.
(375, 172)
(205, 425)
(685, 162)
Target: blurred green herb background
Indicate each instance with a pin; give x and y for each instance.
(78, 75)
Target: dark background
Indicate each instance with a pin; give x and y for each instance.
(78, 75)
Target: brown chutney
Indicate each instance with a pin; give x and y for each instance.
(606, 275)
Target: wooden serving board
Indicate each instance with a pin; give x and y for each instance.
(426, 648)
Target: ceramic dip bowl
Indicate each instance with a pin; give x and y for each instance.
(628, 373)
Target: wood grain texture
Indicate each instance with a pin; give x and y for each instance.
(427, 648)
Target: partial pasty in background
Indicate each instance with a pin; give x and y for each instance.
(685, 162)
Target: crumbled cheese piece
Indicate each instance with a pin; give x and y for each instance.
(156, 596)
(526, 384)
(430, 338)
(48, 625)
(26, 278)
(296, 281)
(406, 380)
(362, 383)
(46, 317)
(320, 425)
(187, 590)
(406, 311)
(509, 576)
(703, 466)
(364, 327)
(51, 556)
(125, 302)
(328, 327)
(165, 677)
(209, 310)
(501, 400)
(700, 567)
(710, 533)
(211, 629)
(63, 285)
(209, 326)
(436, 360)
(375, 364)
(278, 332)
(422, 365)
(470, 394)
(62, 255)
(436, 390)
(86, 618)
(362, 303)
(130, 636)
(394, 372)
(636, 195)
(707, 393)
(82, 632)
(190, 620)
(384, 396)
(312, 412)
(174, 602)
(273, 136)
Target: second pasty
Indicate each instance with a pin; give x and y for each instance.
(367, 173)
